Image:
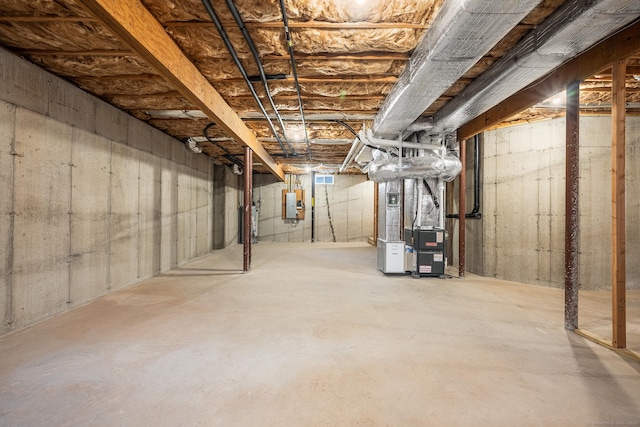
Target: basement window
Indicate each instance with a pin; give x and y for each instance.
(324, 179)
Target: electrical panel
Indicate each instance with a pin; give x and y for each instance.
(293, 204)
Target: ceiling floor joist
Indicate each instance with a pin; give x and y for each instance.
(134, 24)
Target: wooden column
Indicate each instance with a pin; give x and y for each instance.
(572, 193)
(462, 208)
(248, 198)
(618, 285)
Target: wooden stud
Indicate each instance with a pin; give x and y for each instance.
(138, 29)
(618, 265)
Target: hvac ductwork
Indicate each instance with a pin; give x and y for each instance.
(430, 165)
(462, 32)
(573, 28)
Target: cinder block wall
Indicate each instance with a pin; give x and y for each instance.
(524, 203)
(93, 200)
(350, 202)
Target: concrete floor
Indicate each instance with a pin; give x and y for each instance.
(313, 336)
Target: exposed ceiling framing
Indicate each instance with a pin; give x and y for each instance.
(164, 63)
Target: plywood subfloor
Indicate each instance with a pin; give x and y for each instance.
(313, 336)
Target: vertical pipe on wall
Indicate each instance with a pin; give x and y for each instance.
(462, 208)
(313, 207)
(618, 243)
(571, 209)
(246, 231)
(376, 195)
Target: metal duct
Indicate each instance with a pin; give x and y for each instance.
(431, 165)
(576, 26)
(389, 218)
(462, 32)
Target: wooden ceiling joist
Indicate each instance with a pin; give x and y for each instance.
(113, 52)
(134, 24)
(307, 24)
(623, 44)
(369, 56)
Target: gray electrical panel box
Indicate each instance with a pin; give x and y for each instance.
(290, 206)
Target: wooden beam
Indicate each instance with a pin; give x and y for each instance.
(608, 89)
(138, 29)
(315, 97)
(631, 355)
(618, 265)
(571, 213)
(369, 56)
(618, 46)
(333, 79)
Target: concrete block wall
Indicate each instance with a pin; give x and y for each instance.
(93, 200)
(524, 202)
(350, 205)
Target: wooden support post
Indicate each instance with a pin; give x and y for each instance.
(462, 208)
(572, 193)
(248, 198)
(618, 265)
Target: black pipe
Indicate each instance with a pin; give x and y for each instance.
(254, 52)
(232, 51)
(475, 213)
(287, 35)
(227, 154)
(476, 176)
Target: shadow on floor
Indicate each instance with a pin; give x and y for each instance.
(184, 272)
(593, 369)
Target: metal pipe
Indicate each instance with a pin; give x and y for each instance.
(246, 229)
(475, 213)
(571, 227)
(232, 51)
(462, 207)
(350, 155)
(390, 143)
(254, 52)
(294, 69)
(227, 154)
(313, 207)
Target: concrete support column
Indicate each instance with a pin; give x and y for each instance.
(248, 197)
(571, 211)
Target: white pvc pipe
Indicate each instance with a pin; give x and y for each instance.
(442, 203)
(390, 143)
(349, 158)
